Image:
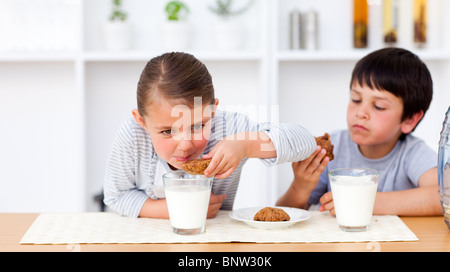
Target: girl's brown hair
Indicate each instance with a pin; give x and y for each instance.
(176, 76)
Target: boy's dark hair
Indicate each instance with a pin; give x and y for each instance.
(399, 72)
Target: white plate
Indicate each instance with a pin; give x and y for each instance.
(246, 215)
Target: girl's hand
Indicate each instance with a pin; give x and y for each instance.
(327, 203)
(225, 157)
(307, 172)
(215, 202)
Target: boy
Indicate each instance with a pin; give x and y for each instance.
(390, 91)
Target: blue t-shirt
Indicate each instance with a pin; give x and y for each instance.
(399, 170)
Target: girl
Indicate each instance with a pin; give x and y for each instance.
(177, 120)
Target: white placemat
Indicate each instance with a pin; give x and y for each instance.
(71, 228)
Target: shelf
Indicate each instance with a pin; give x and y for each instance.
(282, 56)
(303, 55)
(103, 56)
(37, 56)
(350, 55)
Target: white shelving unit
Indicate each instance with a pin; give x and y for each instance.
(61, 108)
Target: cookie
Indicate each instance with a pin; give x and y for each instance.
(196, 167)
(271, 214)
(325, 142)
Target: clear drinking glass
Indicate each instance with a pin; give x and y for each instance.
(187, 199)
(354, 191)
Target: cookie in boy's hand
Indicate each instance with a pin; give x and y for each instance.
(196, 167)
(271, 214)
(325, 142)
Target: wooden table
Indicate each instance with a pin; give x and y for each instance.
(432, 232)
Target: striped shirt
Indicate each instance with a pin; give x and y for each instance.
(134, 170)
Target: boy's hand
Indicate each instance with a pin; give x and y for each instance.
(225, 157)
(215, 202)
(307, 172)
(327, 203)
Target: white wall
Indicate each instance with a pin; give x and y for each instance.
(37, 170)
(148, 16)
(59, 110)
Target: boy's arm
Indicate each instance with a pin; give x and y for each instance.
(421, 201)
(306, 178)
(295, 197)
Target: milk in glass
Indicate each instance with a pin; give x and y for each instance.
(354, 198)
(187, 198)
(188, 205)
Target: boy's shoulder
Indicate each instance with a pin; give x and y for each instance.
(415, 145)
(412, 140)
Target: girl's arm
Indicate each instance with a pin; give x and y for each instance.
(154, 208)
(258, 145)
(157, 208)
(229, 152)
(275, 143)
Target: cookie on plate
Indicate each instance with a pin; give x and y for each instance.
(271, 214)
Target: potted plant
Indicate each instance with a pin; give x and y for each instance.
(176, 29)
(117, 31)
(228, 33)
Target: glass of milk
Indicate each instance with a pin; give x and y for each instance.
(354, 191)
(187, 198)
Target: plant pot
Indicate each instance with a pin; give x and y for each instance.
(228, 35)
(117, 35)
(175, 35)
